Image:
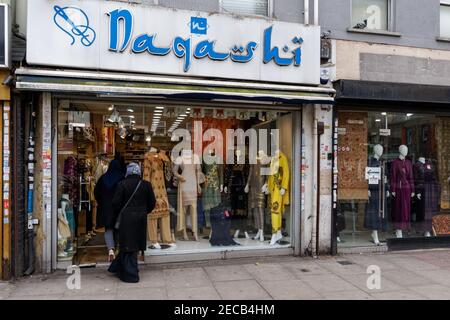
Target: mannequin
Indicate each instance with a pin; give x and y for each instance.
(257, 199)
(428, 195)
(402, 186)
(188, 190)
(374, 214)
(277, 187)
(211, 195)
(64, 235)
(236, 181)
(67, 212)
(154, 173)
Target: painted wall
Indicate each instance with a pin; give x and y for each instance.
(417, 21)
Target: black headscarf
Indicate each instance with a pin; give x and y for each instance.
(114, 174)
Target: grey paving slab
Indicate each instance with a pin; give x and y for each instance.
(147, 279)
(269, 271)
(404, 278)
(328, 283)
(201, 293)
(412, 263)
(360, 281)
(241, 290)
(228, 273)
(37, 297)
(337, 268)
(347, 295)
(141, 294)
(379, 260)
(290, 290)
(48, 287)
(186, 278)
(301, 269)
(435, 292)
(398, 295)
(440, 276)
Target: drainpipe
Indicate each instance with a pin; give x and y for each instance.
(306, 11)
(316, 12)
(315, 196)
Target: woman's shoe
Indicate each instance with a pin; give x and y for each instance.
(111, 255)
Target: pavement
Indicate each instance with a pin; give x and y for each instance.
(403, 276)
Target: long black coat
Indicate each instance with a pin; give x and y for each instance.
(106, 215)
(133, 224)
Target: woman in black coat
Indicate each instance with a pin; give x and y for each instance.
(133, 221)
(104, 191)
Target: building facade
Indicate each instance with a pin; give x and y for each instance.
(234, 85)
(389, 62)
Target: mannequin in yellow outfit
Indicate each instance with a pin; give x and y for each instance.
(278, 189)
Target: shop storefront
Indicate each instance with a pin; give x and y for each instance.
(209, 106)
(393, 167)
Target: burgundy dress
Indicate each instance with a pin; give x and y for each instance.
(402, 183)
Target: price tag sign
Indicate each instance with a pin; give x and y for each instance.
(373, 173)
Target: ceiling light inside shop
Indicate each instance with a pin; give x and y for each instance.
(130, 110)
(377, 120)
(111, 108)
(160, 108)
(409, 114)
(384, 113)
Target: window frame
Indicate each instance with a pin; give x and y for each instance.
(269, 10)
(443, 3)
(390, 18)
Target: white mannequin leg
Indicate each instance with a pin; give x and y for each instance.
(375, 237)
(276, 237)
(236, 234)
(398, 233)
(257, 235)
(261, 235)
(427, 234)
(246, 235)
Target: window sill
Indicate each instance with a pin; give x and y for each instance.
(443, 39)
(375, 32)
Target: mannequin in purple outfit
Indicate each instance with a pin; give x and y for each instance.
(402, 187)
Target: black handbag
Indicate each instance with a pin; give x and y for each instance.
(119, 217)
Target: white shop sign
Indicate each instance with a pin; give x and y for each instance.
(117, 36)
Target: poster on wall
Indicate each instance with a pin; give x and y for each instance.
(352, 155)
(4, 36)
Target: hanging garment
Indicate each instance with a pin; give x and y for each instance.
(402, 184)
(256, 180)
(373, 217)
(428, 187)
(70, 179)
(189, 168)
(278, 179)
(211, 190)
(154, 173)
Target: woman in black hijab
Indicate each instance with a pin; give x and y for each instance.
(104, 192)
(133, 201)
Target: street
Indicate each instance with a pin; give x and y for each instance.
(404, 276)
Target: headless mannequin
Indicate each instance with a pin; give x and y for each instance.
(403, 152)
(187, 158)
(277, 236)
(238, 159)
(259, 211)
(377, 153)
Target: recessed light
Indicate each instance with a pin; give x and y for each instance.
(409, 114)
(130, 110)
(384, 113)
(377, 120)
(160, 108)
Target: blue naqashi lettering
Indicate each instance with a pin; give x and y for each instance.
(184, 48)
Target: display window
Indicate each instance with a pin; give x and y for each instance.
(393, 176)
(221, 177)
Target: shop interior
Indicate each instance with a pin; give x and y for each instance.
(393, 179)
(232, 208)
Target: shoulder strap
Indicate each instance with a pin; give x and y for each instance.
(132, 195)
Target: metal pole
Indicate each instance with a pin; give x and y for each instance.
(306, 12)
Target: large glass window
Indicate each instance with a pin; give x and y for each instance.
(393, 178)
(370, 14)
(222, 177)
(445, 19)
(247, 7)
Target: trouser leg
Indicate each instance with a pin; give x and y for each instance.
(109, 239)
(153, 230)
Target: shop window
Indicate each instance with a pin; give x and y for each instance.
(370, 14)
(237, 196)
(393, 176)
(445, 19)
(247, 7)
